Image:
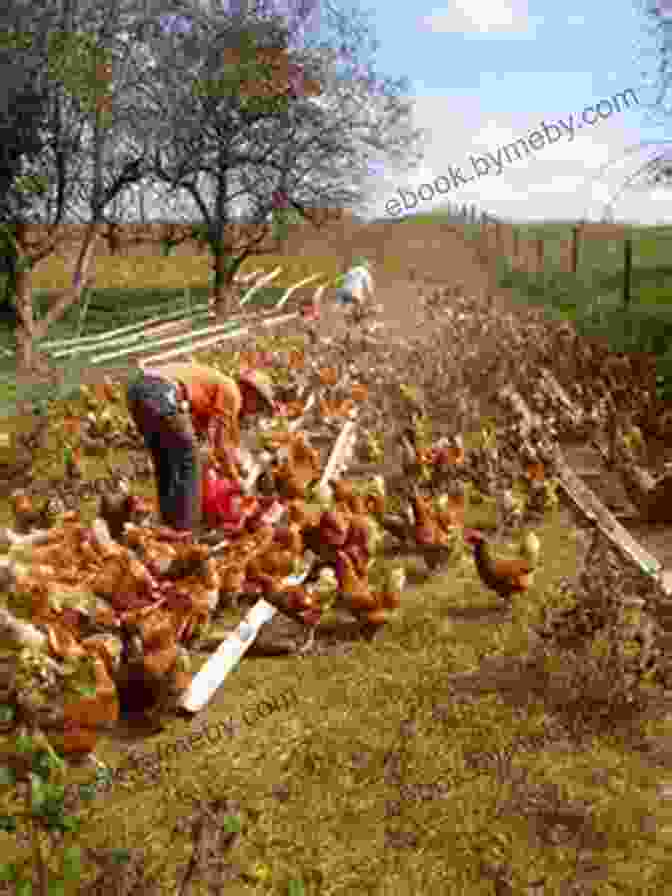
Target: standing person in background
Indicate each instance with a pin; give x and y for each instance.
(171, 406)
(352, 285)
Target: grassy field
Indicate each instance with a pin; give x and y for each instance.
(593, 298)
(341, 790)
(332, 749)
(600, 270)
(369, 758)
(106, 310)
(160, 287)
(600, 263)
(601, 260)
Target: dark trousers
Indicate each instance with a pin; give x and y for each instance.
(170, 439)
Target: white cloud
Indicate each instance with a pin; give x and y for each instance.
(492, 135)
(562, 180)
(558, 184)
(576, 20)
(480, 16)
(581, 149)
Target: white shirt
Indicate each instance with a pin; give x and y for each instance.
(355, 279)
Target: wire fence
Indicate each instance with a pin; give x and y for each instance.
(589, 259)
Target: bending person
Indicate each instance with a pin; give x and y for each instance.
(174, 405)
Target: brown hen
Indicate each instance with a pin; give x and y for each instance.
(504, 576)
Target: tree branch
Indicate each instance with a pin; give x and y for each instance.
(70, 296)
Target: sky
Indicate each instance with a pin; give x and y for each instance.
(485, 73)
(510, 81)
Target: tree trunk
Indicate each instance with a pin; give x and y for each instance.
(223, 290)
(67, 297)
(28, 330)
(25, 325)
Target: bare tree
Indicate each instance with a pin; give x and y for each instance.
(223, 149)
(252, 139)
(657, 19)
(78, 132)
(17, 201)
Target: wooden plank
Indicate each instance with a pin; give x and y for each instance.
(158, 343)
(109, 334)
(218, 665)
(557, 389)
(226, 657)
(258, 285)
(102, 337)
(193, 347)
(592, 508)
(296, 286)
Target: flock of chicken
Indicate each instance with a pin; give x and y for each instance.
(130, 595)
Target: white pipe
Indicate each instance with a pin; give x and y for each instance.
(77, 346)
(155, 343)
(296, 286)
(103, 336)
(257, 286)
(134, 337)
(175, 353)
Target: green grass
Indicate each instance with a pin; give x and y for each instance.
(113, 304)
(111, 309)
(331, 751)
(108, 309)
(593, 298)
(600, 261)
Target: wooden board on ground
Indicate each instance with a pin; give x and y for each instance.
(590, 505)
(231, 650)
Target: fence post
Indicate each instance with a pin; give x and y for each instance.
(540, 255)
(575, 249)
(627, 271)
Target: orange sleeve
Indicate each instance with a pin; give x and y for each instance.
(215, 403)
(200, 404)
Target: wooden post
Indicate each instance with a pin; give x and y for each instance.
(575, 249)
(627, 271)
(540, 255)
